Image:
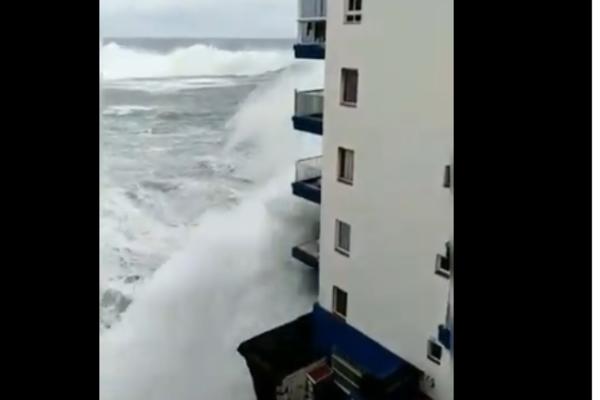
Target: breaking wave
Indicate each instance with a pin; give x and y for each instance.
(120, 62)
(227, 276)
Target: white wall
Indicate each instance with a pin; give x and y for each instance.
(401, 132)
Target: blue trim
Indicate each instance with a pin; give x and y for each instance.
(332, 334)
(273, 355)
(444, 336)
(307, 191)
(308, 124)
(304, 257)
(309, 51)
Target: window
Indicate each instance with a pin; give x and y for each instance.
(349, 86)
(442, 263)
(342, 237)
(340, 302)
(434, 351)
(353, 14)
(447, 176)
(345, 165)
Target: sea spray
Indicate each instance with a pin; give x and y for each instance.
(233, 280)
(262, 127)
(228, 274)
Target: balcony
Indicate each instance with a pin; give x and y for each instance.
(308, 111)
(312, 15)
(288, 351)
(308, 179)
(307, 253)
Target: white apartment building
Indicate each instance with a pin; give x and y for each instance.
(384, 185)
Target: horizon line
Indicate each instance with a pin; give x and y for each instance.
(195, 37)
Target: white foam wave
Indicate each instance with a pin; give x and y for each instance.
(121, 110)
(263, 124)
(118, 62)
(178, 339)
(233, 276)
(168, 85)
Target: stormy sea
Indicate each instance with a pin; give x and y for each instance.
(197, 219)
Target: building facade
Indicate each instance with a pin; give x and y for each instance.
(384, 182)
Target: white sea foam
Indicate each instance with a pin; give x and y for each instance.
(121, 110)
(169, 85)
(119, 62)
(231, 276)
(234, 279)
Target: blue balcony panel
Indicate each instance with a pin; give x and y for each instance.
(307, 253)
(309, 51)
(309, 189)
(309, 123)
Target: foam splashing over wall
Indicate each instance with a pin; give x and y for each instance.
(233, 277)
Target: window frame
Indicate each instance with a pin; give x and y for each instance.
(430, 344)
(344, 78)
(447, 177)
(341, 250)
(334, 302)
(355, 14)
(441, 260)
(342, 157)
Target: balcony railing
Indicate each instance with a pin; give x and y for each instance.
(312, 9)
(311, 33)
(309, 103)
(308, 111)
(308, 179)
(312, 16)
(308, 253)
(308, 169)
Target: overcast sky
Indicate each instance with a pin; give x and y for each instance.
(198, 18)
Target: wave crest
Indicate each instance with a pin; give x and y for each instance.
(120, 62)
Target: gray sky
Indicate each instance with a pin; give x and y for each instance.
(199, 18)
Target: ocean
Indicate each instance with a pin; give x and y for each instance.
(197, 219)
